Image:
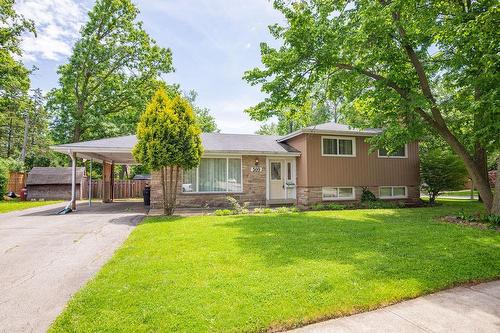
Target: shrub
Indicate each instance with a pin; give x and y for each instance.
(235, 205)
(258, 210)
(441, 170)
(245, 211)
(493, 220)
(318, 206)
(379, 204)
(267, 211)
(4, 178)
(334, 206)
(223, 212)
(367, 195)
(282, 210)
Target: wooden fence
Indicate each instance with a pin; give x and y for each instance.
(122, 189)
(17, 180)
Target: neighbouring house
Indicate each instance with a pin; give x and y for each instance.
(49, 183)
(324, 163)
(142, 177)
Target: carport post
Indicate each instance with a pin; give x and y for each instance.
(73, 181)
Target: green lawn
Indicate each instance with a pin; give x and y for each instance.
(255, 273)
(461, 193)
(11, 205)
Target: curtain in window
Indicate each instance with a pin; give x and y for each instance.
(213, 173)
(345, 147)
(330, 146)
(189, 181)
(234, 175)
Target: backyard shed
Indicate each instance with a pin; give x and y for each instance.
(53, 183)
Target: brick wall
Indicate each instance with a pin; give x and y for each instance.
(311, 195)
(254, 188)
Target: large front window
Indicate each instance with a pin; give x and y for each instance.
(338, 146)
(214, 175)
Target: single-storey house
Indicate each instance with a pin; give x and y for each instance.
(49, 183)
(323, 163)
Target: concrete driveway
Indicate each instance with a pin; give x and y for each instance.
(46, 258)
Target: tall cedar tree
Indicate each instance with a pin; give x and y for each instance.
(168, 140)
(110, 77)
(406, 66)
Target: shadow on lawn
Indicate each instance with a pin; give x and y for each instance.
(389, 245)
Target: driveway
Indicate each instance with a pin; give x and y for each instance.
(462, 309)
(46, 258)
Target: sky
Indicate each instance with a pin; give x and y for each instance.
(213, 43)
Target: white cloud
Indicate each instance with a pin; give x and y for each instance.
(248, 45)
(57, 25)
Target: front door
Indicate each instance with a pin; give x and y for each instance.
(276, 180)
(282, 179)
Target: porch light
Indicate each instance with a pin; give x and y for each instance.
(256, 161)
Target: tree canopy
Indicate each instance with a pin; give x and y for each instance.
(168, 139)
(113, 72)
(409, 67)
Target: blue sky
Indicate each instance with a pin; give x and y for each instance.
(213, 43)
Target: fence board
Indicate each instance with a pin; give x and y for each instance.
(17, 180)
(122, 189)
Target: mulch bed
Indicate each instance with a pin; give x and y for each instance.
(479, 225)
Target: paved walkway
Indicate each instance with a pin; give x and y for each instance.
(46, 258)
(462, 309)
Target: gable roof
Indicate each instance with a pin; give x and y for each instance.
(332, 128)
(53, 176)
(213, 143)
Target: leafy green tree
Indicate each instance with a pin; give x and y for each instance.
(203, 117)
(268, 129)
(441, 170)
(168, 140)
(14, 76)
(408, 67)
(113, 72)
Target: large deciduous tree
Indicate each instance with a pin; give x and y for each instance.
(168, 141)
(14, 76)
(405, 66)
(111, 75)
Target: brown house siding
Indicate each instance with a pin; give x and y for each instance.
(365, 169)
(254, 188)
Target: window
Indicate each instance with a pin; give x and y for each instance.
(288, 171)
(400, 153)
(275, 170)
(392, 192)
(338, 146)
(338, 193)
(214, 175)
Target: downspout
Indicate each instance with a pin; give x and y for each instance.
(73, 181)
(72, 204)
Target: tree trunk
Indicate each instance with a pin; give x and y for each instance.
(9, 141)
(481, 159)
(432, 198)
(25, 138)
(163, 188)
(174, 194)
(77, 134)
(496, 199)
(475, 172)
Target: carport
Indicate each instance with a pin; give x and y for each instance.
(108, 152)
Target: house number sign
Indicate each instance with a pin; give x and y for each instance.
(257, 169)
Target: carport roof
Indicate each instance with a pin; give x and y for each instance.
(119, 149)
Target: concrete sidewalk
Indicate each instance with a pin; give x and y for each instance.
(463, 309)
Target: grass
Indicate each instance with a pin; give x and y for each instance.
(12, 205)
(461, 193)
(268, 272)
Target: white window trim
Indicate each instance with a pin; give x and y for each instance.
(388, 156)
(392, 191)
(227, 175)
(353, 197)
(353, 139)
